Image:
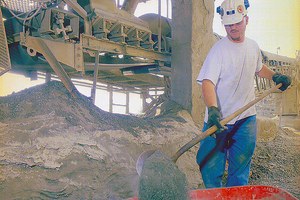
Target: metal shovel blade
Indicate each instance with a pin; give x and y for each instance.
(141, 160)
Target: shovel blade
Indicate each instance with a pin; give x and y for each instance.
(141, 160)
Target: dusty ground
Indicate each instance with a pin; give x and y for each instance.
(55, 147)
(277, 162)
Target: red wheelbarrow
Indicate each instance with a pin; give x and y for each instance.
(249, 192)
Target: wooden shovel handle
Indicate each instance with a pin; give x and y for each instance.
(212, 129)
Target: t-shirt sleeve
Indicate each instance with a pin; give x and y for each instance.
(211, 67)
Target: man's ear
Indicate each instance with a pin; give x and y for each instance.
(247, 18)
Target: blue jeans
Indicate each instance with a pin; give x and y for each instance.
(236, 145)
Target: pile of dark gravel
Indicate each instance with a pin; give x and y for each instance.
(53, 97)
(161, 179)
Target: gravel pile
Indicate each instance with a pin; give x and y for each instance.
(161, 179)
(53, 97)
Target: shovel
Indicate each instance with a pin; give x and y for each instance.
(146, 154)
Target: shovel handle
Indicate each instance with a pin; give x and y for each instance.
(214, 128)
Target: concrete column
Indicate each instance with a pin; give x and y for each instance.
(130, 5)
(192, 37)
(298, 81)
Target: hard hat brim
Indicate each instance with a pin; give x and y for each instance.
(232, 20)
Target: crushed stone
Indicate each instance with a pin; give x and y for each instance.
(161, 179)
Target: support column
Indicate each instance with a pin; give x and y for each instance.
(94, 88)
(192, 37)
(110, 100)
(127, 102)
(130, 6)
(298, 81)
(48, 77)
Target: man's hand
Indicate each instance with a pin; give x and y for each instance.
(214, 118)
(280, 78)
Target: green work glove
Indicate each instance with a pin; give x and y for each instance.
(280, 78)
(214, 118)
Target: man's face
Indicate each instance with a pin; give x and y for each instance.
(236, 32)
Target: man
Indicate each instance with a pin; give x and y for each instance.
(227, 79)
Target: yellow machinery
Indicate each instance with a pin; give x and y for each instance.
(81, 38)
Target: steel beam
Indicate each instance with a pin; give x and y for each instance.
(67, 53)
(40, 46)
(95, 44)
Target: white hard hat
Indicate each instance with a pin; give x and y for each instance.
(233, 11)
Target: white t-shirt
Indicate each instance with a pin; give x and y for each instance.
(231, 67)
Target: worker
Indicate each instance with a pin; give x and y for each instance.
(227, 81)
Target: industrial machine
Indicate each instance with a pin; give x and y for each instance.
(96, 40)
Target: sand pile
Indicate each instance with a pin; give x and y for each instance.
(267, 128)
(55, 147)
(53, 98)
